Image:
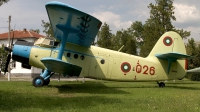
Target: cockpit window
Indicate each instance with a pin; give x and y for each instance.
(46, 42)
(51, 43)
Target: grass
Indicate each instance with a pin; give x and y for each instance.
(100, 96)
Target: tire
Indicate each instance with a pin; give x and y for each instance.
(161, 84)
(47, 81)
(38, 81)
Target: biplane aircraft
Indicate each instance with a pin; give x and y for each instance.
(70, 52)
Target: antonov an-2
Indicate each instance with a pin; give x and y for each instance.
(73, 55)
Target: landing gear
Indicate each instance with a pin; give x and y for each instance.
(47, 81)
(43, 79)
(38, 81)
(161, 84)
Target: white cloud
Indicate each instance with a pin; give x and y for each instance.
(185, 13)
(188, 18)
(113, 20)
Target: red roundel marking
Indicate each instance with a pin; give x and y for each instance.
(167, 41)
(125, 67)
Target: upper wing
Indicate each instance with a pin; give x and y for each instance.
(68, 22)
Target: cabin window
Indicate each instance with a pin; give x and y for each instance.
(46, 42)
(102, 61)
(82, 57)
(51, 43)
(75, 56)
(68, 55)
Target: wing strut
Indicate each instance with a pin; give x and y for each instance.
(62, 47)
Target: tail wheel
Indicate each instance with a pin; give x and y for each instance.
(161, 84)
(38, 81)
(47, 81)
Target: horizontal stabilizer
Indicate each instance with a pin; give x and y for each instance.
(195, 70)
(172, 56)
(60, 66)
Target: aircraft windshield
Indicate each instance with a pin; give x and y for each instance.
(46, 42)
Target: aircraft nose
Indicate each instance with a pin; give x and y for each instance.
(21, 52)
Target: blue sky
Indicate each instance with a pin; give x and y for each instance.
(117, 13)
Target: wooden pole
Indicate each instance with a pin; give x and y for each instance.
(9, 20)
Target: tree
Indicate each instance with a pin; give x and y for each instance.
(194, 50)
(124, 38)
(107, 40)
(116, 41)
(3, 57)
(3, 2)
(3, 53)
(47, 28)
(36, 30)
(161, 15)
(104, 37)
(183, 34)
(136, 30)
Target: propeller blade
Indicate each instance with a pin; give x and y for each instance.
(7, 63)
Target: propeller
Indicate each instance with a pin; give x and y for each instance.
(9, 49)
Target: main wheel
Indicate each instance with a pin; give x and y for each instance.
(38, 81)
(47, 81)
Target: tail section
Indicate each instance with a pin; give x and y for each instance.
(170, 42)
(170, 47)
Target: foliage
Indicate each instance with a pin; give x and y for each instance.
(3, 2)
(125, 39)
(3, 57)
(136, 30)
(161, 15)
(100, 96)
(182, 33)
(47, 28)
(36, 30)
(194, 50)
(104, 37)
(122, 38)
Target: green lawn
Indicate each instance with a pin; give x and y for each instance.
(100, 96)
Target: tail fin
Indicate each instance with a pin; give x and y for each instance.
(170, 47)
(169, 42)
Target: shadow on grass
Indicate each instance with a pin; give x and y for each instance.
(183, 87)
(11, 101)
(189, 85)
(89, 87)
(185, 83)
(112, 87)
